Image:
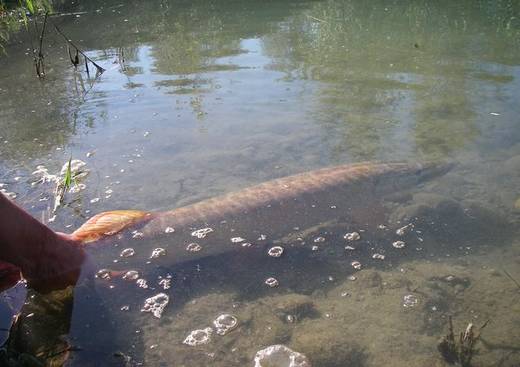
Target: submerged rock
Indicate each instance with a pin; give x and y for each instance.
(449, 221)
(280, 356)
(293, 307)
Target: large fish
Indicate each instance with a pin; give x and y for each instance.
(268, 210)
(257, 214)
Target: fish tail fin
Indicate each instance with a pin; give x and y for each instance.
(107, 224)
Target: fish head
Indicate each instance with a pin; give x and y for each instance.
(430, 170)
(402, 176)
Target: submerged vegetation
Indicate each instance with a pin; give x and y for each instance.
(463, 350)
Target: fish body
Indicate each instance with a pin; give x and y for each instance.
(266, 211)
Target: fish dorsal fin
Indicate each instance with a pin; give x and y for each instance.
(107, 224)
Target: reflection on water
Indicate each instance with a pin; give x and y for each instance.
(204, 98)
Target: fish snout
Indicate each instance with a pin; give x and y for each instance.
(430, 170)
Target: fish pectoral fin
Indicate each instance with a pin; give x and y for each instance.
(107, 224)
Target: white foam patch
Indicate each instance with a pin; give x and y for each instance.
(225, 323)
(156, 304)
(275, 251)
(201, 233)
(199, 337)
(280, 356)
(127, 252)
(159, 251)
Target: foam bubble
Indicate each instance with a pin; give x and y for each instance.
(193, 247)
(378, 256)
(319, 239)
(275, 251)
(142, 283)
(131, 275)
(156, 304)
(225, 323)
(137, 234)
(103, 274)
(398, 244)
(169, 230)
(403, 230)
(237, 239)
(198, 337)
(127, 252)
(410, 300)
(271, 282)
(157, 252)
(356, 265)
(201, 233)
(280, 356)
(352, 236)
(165, 282)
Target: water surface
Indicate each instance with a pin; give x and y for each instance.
(204, 98)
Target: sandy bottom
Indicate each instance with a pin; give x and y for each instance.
(382, 316)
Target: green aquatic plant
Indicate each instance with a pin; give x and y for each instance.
(14, 15)
(67, 181)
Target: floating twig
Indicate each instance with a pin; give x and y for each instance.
(317, 19)
(38, 61)
(99, 69)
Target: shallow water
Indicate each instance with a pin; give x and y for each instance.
(206, 98)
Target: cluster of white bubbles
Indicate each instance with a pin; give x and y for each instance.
(142, 283)
(169, 230)
(127, 252)
(156, 304)
(131, 275)
(157, 252)
(165, 282)
(193, 247)
(201, 233)
(103, 274)
(319, 239)
(352, 236)
(225, 323)
(271, 282)
(378, 256)
(403, 230)
(237, 239)
(137, 234)
(280, 356)
(356, 265)
(198, 337)
(398, 244)
(410, 300)
(275, 251)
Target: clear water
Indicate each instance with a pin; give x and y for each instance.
(217, 96)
